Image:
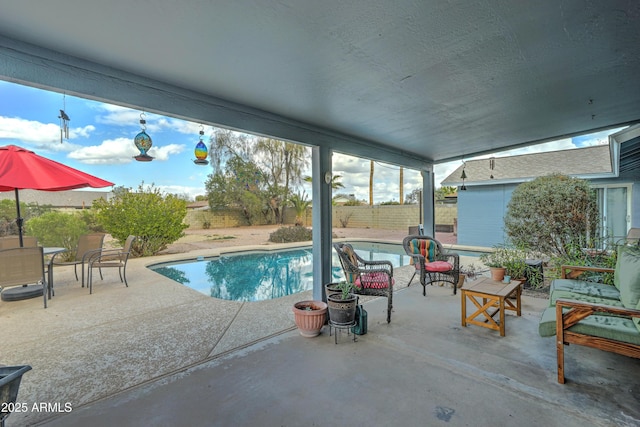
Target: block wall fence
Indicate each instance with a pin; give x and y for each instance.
(391, 217)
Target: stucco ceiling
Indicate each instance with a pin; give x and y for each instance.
(435, 79)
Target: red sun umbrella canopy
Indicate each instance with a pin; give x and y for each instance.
(24, 169)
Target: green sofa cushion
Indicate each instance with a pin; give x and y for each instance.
(628, 272)
(636, 320)
(580, 289)
(610, 327)
(584, 298)
(547, 324)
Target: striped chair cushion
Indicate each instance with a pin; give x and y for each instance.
(424, 247)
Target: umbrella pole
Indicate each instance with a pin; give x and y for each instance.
(19, 219)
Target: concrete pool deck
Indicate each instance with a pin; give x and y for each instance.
(159, 353)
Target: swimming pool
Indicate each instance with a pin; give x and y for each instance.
(262, 275)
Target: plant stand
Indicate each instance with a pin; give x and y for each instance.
(341, 326)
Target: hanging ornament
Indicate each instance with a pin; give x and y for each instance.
(463, 177)
(492, 165)
(143, 142)
(64, 121)
(201, 150)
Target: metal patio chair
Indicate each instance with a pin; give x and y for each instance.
(110, 258)
(9, 242)
(22, 266)
(88, 244)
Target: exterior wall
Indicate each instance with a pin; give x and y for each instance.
(393, 217)
(481, 212)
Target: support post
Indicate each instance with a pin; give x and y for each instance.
(322, 219)
(428, 207)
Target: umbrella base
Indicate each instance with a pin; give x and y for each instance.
(22, 292)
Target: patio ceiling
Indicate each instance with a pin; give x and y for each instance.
(431, 80)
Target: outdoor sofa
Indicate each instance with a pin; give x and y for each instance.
(598, 315)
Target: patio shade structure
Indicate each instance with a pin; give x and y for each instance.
(23, 169)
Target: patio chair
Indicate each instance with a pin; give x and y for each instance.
(87, 244)
(9, 242)
(367, 277)
(434, 264)
(22, 266)
(110, 258)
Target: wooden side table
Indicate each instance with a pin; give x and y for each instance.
(491, 297)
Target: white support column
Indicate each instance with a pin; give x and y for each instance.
(322, 229)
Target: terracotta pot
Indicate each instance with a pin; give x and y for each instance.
(497, 273)
(310, 317)
(461, 278)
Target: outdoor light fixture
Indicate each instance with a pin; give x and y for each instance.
(143, 142)
(463, 176)
(201, 150)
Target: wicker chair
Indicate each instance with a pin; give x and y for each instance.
(367, 277)
(432, 262)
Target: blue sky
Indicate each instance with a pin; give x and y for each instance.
(101, 143)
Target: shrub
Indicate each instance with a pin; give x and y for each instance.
(58, 229)
(291, 234)
(551, 214)
(155, 218)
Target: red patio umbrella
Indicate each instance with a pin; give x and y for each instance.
(23, 169)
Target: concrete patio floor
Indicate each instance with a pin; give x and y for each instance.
(158, 353)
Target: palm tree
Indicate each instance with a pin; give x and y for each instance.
(300, 203)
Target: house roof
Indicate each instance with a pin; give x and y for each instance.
(588, 162)
(58, 199)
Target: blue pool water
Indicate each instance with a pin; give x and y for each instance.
(257, 276)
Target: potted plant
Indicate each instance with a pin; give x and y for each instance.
(342, 305)
(495, 260)
(469, 272)
(310, 317)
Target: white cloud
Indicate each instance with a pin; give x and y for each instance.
(120, 151)
(191, 192)
(386, 178)
(40, 136)
(28, 131)
(109, 152)
(164, 152)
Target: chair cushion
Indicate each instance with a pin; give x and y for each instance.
(351, 256)
(570, 288)
(610, 327)
(424, 247)
(439, 266)
(628, 273)
(636, 320)
(374, 280)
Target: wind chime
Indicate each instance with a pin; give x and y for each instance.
(492, 165)
(64, 121)
(143, 142)
(463, 177)
(201, 150)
